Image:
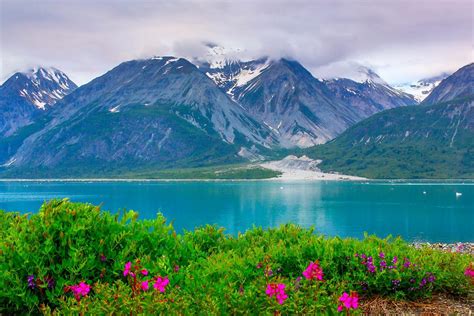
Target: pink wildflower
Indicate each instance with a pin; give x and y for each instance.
(348, 301)
(128, 267)
(145, 286)
(469, 272)
(313, 272)
(277, 290)
(144, 272)
(161, 283)
(80, 290)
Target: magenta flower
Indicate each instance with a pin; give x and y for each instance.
(469, 272)
(313, 272)
(348, 301)
(277, 290)
(144, 272)
(80, 290)
(127, 268)
(145, 286)
(161, 283)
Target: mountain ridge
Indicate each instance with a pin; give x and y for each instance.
(166, 112)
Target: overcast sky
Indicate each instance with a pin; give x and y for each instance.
(402, 40)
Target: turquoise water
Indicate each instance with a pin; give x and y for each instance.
(333, 208)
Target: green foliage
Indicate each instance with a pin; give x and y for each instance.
(208, 270)
(238, 171)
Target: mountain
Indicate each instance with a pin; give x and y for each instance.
(166, 112)
(301, 110)
(286, 98)
(368, 94)
(432, 141)
(458, 85)
(422, 88)
(26, 95)
(161, 111)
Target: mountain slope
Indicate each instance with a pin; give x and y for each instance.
(412, 142)
(157, 112)
(431, 141)
(26, 95)
(285, 97)
(299, 108)
(458, 85)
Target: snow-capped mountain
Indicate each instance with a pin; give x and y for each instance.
(422, 88)
(297, 107)
(25, 95)
(159, 111)
(227, 70)
(40, 86)
(300, 109)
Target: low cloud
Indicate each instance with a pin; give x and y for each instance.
(402, 40)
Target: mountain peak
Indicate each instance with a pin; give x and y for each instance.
(363, 74)
(26, 94)
(40, 86)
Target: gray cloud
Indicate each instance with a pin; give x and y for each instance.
(402, 40)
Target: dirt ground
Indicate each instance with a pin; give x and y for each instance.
(437, 305)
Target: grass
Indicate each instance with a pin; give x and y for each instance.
(43, 254)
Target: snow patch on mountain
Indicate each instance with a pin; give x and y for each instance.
(422, 88)
(226, 68)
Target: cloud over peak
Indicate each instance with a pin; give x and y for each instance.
(403, 40)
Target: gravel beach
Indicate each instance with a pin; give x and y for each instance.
(460, 247)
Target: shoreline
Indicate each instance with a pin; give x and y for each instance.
(412, 181)
(275, 179)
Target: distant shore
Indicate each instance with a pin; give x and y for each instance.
(279, 178)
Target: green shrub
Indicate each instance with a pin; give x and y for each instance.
(42, 255)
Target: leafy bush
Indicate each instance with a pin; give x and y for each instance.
(72, 257)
